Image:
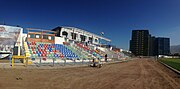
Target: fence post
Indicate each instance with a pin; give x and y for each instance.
(89, 62)
(82, 61)
(27, 62)
(10, 58)
(53, 61)
(64, 61)
(74, 61)
(40, 62)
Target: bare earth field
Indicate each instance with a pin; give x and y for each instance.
(136, 74)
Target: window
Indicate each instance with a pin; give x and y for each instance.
(37, 35)
(83, 38)
(31, 35)
(90, 39)
(96, 40)
(51, 37)
(45, 36)
(73, 35)
(64, 33)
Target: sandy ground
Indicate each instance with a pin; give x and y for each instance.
(136, 74)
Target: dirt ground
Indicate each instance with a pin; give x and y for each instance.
(136, 74)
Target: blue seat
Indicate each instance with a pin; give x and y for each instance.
(39, 55)
(65, 51)
(33, 59)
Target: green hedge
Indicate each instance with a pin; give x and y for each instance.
(175, 63)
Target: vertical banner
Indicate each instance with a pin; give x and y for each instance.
(10, 36)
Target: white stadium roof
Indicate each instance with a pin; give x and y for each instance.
(80, 30)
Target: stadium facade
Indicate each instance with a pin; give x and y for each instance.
(76, 34)
(54, 46)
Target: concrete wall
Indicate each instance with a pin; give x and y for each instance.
(59, 40)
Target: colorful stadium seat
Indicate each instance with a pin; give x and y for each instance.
(47, 50)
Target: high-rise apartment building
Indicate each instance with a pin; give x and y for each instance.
(152, 45)
(139, 42)
(143, 44)
(162, 46)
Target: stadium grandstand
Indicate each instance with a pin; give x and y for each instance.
(59, 45)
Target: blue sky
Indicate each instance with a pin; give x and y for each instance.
(116, 18)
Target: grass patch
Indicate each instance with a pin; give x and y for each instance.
(173, 62)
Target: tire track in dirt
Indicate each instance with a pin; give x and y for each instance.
(142, 74)
(104, 79)
(120, 80)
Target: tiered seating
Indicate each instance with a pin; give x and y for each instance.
(65, 51)
(47, 50)
(85, 48)
(98, 51)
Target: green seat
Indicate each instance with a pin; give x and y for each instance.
(32, 55)
(30, 52)
(54, 59)
(49, 55)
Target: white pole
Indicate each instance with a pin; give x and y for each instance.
(19, 40)
(18, 48)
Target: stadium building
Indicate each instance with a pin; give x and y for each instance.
(59, 45)
(76, 34)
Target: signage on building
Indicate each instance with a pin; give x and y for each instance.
(9, 36)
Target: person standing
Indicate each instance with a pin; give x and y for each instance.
(106, 58)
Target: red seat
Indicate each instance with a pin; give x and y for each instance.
(34, 52)
(44, 59)
(61, 56)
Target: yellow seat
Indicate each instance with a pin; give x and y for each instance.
(27, 55)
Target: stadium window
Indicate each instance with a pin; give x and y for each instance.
(31, 35)
(96, 40)
(49, 37)
(90, 39)
(83, 38)
(64, 33)
(73, 35)
(45, 36)
(52, 37)
(37, 35)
